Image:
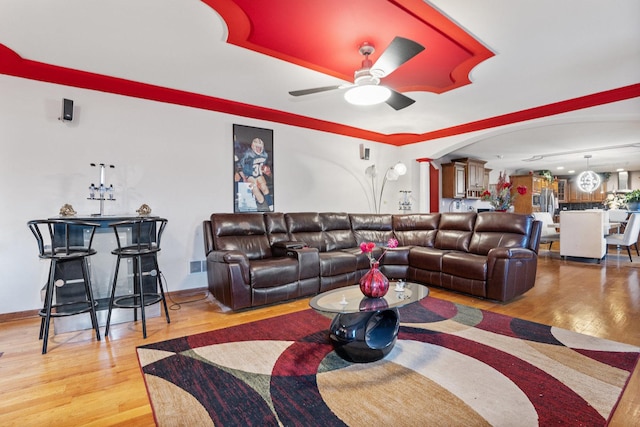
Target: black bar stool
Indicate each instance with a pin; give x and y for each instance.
(145, 235)
(67, 244)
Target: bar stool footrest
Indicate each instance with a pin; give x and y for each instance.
(85, 307)
(133, 301)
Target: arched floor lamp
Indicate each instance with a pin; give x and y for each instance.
(392, 174)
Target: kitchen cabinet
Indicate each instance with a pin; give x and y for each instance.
(525, 203)
(453, 180)
(562, 190)
(474, 175)
(578, 196)
(487, 172)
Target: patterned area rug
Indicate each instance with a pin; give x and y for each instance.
(452, 365)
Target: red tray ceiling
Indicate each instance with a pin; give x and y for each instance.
(325, 36)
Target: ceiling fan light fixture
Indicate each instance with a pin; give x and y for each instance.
(367, 94)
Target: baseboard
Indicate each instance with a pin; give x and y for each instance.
(28, 314)
(18, 315)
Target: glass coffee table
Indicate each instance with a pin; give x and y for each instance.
(366, 329)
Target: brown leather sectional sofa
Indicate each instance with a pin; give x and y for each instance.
(261, 258)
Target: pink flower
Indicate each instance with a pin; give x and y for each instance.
(367, 248)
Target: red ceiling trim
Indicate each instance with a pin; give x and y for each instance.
(12, 64)
(592, 100)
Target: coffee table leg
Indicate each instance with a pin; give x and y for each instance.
(366, 336)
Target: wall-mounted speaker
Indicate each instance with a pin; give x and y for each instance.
(364, 152)
(67, 110)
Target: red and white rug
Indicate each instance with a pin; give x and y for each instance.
(452, 365)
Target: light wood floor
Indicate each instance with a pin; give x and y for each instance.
(81, 381)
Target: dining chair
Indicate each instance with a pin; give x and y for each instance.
(548, 233)
(630, 236)
(618, 216)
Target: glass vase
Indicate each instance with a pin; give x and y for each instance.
(374, 284)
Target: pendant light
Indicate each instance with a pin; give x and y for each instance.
(588, 181)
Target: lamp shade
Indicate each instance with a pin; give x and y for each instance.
(400, 168)
(371, 171)
(367, 94)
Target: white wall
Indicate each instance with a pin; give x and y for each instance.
(176, 159)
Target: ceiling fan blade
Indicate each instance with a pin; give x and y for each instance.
(397, 53)
(398, 101)
(314, 90)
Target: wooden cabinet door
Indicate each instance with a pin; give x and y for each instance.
(460, 182)
(562, 191)
(453, 181)
(536, 185)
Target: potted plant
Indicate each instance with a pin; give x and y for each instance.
(633, 200)
(502, 196)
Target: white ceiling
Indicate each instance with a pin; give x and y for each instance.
(546, 51)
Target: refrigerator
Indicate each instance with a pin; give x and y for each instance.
(548, 201)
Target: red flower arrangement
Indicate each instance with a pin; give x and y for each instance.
(368, 247)
(502, 197)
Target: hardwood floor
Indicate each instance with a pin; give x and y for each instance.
(81, 381)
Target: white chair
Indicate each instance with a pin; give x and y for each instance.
(630, 236)
(582, 234)
(618, 216)
(548, 233)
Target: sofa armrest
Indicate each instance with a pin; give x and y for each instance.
(232, 257)
(229, 278)
(510, 272)
(496, 253)
(308, 261)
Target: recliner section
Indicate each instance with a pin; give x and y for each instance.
(257, 259)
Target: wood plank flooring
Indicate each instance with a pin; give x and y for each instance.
(81, 381)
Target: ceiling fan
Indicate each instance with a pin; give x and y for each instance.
(366, 88)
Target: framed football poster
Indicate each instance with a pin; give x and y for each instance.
(252, 169)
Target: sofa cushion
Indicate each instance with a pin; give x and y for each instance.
(493, 231)
(467, 265)
(337, 231)
(267, 273)
(306, 227)
(276, 227)
(376, 228)
(416, 229)
(455, 230)
(245, 233)
(337, 262)
(426, 258)
(362, 259)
